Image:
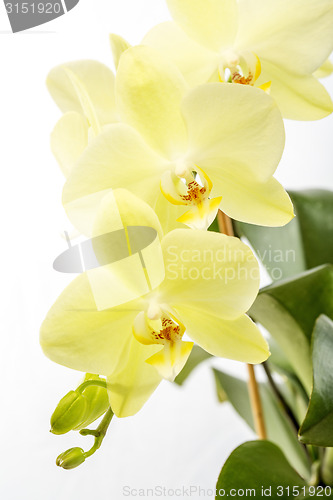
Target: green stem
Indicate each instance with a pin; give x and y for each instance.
(280, 397)
(99, 433)
(88, 383)
(327, 467)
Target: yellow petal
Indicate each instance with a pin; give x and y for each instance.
(117, 158)
(127, 247)
(98, 82)
(325, 70)
(69, 139)
(201, 216)
(262, 203)
(234, 127)
(131, 210)
(239, 339)
(118, 46)
(75, 334)
(213, 23)
(131, 387)
(149, 90)
(296, 35)
(87, 104)
(168, 214)
(209, 271)
(298, 97)
(171, 359)
(196, 63)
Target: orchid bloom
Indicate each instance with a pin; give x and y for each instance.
(270, 43)
(210, 281)
(201, 149)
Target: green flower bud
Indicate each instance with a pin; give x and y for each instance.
(97, 399)
(71, 458)
(70, 413)
(79, 409)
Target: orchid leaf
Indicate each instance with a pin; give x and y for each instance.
(289, 309)
(279, 428)
(317, 428)
(256, 467)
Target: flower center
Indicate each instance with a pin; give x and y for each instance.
(160, 328)
(186, 185)
(191, 186)
(242, 68)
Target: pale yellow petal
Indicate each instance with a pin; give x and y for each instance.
(98, 82)
(244, 199)
(149, 90)
(75, 334)
(296, 35)
(209, 271)
(170, 361)
(131, 387)
(117, 158)
(325, 70)
(234, 127)
(131, 211)
(126, 245)
(239, 339)
(69, 139)
(298, 97)
(118, 46)
(196, 63)
(213, 23)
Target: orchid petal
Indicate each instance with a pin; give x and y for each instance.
(149, 90)
(196, 63)
(239, 339)
(130, 388)
(118, 46)
(75, 334)
(298, 97)
(209, 271)
(117, 158)
(296, 36)
(234, 127)
(69, 139)
(98, 82)
(263, 203)
(213, 23)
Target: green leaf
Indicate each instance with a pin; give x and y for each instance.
(258, 466)
(278, 426)
(197, 356)
(306, 242)
(289, 309)
(317, 428)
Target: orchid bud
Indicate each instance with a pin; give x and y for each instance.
(80, 408)
(70, 412)
(71, 458)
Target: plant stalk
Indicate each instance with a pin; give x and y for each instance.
(225, 227)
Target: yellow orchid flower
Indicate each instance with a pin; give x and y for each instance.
(85, 92)
(215, 145)
(210, 281)
(275, 43)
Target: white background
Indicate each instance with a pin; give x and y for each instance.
(182, 436)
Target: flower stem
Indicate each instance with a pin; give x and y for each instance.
(99, 433)
(88, 383)
(225, 227)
